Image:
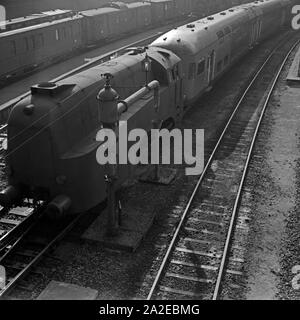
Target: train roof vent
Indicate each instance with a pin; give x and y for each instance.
(223, 13)
(191, 26)
(210, 18)
(49, 88)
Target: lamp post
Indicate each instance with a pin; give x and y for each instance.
(146, 67)
(109, 118)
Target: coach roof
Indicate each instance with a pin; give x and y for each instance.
(195, 36)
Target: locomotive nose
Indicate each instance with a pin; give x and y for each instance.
(30, 148)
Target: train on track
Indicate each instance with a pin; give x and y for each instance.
(39, 40)
(51, 134)
(34, 19)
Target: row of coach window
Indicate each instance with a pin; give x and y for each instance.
(201, 67)
(37, 41)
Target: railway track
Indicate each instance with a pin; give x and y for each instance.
(200, 252)
(25, 252)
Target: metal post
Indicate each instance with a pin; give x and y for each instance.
(108, 106)
(113, 212)
(156, 124)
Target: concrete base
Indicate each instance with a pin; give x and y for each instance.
(293, 75)
(65, 291)
(166, 176)
(134, 227)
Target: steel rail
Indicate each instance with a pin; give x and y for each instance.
(242, 182)
(188, 206)
(27, 269)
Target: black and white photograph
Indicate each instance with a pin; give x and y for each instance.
(149, 153)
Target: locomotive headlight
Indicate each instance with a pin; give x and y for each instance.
(61, 179)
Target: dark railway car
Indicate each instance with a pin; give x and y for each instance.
(126, 20)
(100, 24)
(115, 20)
(201, 7)
(162, 10)
(141, 12)
(24, 49)
(34, 19)
(183, 7)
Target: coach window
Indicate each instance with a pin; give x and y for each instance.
(41, 36)
(176, 72)
(64, 33)
(57, 35)
(13, 48)
(32, 40)
(26, 44)
(192, 70)
(219, 66)
(201, 67)
(39, 41)
(173, 75)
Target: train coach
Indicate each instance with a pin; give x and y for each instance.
(34, 19)
(110, 22)
(25, 49)
(22, 50)
(51, 134)
(210, 46)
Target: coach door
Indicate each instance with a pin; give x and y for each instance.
(259, 25)
(178, 92)
(211, 66)
(255, 32)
